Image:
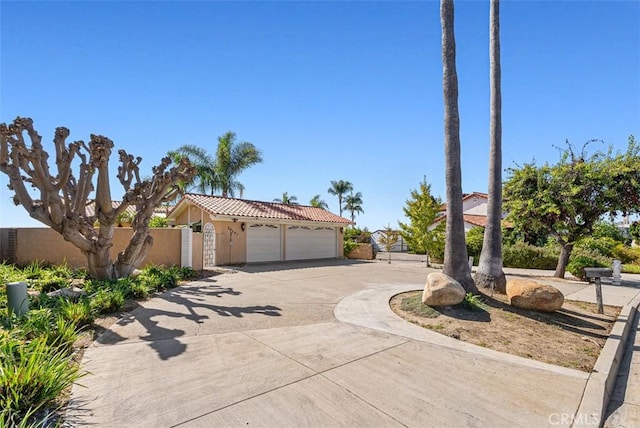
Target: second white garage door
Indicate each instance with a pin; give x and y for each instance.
(305, 242)
(263, 243)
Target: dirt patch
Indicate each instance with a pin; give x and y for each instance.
(571, 337)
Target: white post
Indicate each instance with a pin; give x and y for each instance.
(186, 247)
(470, 262)
(617, 272)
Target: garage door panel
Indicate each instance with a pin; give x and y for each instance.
(263, 243)
(304, 242)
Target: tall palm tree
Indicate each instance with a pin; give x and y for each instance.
(353, 203)
(340, 188)
(286, 199)
(490, 273)
(318, 203)
(231, 159)
(455, 253)
(205, 178)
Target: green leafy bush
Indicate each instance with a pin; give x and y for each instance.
(349, 246)
(158, 221)
(577, 264)
(358, 235)
(527, 256)
(626, 254)
(77, 313)
(631, 268)
(33, 374)
(474, 240)
(107, 300)
(603, 246)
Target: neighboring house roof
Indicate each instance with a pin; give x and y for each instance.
(231, 207)
(467, 196)
(476, 220)
(131, 209)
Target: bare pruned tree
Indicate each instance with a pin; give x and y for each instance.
(72, 204)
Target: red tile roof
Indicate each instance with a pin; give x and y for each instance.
(476, 220)
(231, 207)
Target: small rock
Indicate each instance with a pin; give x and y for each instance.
(72, 293)
(442, 290)
(527, 294)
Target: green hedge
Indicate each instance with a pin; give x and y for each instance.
(526, 256)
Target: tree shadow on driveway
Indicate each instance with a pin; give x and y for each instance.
(193, 298)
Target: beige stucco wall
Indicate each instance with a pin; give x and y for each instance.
(191, 214)
(196, 256)
(231, 240)
(44, 244)
(231, 243)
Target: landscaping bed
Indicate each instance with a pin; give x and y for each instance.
(571, 337)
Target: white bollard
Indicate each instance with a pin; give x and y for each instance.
(470, 262)
(617, 272)
(17, 298)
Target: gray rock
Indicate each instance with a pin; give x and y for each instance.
(71, 293)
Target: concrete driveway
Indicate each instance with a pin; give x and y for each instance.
(277, 346)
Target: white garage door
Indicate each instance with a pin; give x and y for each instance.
(263, 243)
(305, 242)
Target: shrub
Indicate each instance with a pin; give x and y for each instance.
(631, 268)
(349, 246)
(106, 300)
(32, 374)
(603, 246)
(474, 240)
(626, 254)
(158, 221)
(77, 313)
(357, 235)
(577, 264)
(527, 256)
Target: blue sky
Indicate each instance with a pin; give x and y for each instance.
(326, 90)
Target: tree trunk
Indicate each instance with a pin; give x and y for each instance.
(455, 254)
(490, 273)
(563, 260)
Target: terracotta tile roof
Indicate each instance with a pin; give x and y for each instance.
(131, 209)
(231, 207)
(476, 220)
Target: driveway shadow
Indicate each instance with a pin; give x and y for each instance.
(193, 298)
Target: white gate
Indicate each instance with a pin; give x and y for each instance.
(208, 246)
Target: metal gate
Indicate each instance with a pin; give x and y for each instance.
(208, 246)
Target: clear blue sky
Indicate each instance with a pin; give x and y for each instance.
(326, 90)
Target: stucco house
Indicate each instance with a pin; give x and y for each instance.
(237, 231)
(474, 211)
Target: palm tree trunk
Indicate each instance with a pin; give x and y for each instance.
(455, 254)
(490, 273)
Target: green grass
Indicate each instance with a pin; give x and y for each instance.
(413, 304)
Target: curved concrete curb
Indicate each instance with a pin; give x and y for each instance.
(602, 379)
(370, 308)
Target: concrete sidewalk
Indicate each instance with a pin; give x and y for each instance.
(262, 347)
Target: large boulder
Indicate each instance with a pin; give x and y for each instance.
(527, 294)
(442, 290)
